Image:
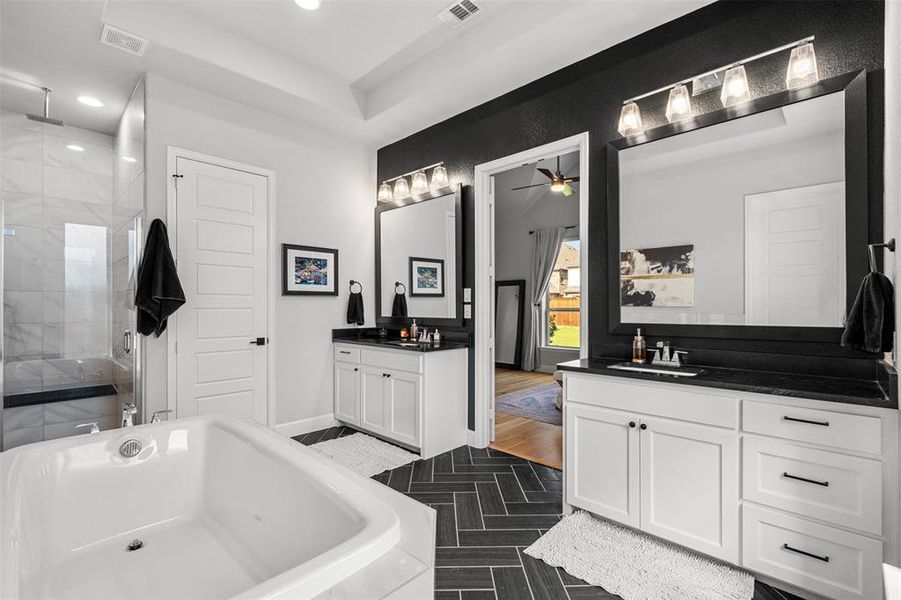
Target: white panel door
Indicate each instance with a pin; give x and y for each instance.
(795, 254)
(402, 395)
(221, 233)
(689, 485)
(373, 407)
(602, 462)
(347, 393)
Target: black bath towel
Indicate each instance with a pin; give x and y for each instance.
(399, 307)
(871, 322)
(355, 309)
(159, 292)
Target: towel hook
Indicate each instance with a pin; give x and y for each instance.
(397, 283)
(871, 248)
(352, 282)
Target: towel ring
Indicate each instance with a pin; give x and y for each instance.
(352, 282)
(871, 248)
(397, 283)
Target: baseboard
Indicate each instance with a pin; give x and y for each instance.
(294, 428)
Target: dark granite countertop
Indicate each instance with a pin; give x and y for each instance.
(862, 392)
(394, 344)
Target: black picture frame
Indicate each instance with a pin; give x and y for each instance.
(436, 261)
(286, 248)
(520, 284)
(381, 208)
(854, 85)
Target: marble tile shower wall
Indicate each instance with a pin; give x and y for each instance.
(58, 220)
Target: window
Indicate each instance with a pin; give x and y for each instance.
(561, 304)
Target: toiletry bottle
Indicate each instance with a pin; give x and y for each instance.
(404, 334)
(639, 348)
(414, 330)
(436, 337)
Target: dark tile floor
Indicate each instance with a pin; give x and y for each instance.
(491, 506)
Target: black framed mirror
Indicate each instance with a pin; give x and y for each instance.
(509, 308)
(419, 256)
(749, 222)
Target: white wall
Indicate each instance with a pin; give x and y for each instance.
(517, 213)
(324, 197)
(892, 159)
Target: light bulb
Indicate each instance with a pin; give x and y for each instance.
(439, 178)
(802, 67)
(630, 120)
(401, 189)
(385, 194)
(75, 148)
(557, 186)
(420, 184)
(307, 4)
(735, 87)
(678, 105)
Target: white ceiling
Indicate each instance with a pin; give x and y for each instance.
(374, 70)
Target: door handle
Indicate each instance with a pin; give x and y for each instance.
(126, 341)
(260, 341)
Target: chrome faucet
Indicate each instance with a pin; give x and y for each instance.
(156, 416)
(93, 426)
(128, 413)
(666, 356)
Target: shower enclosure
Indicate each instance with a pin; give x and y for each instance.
(72, 206)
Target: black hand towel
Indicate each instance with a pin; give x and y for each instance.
(871, 322)
(399, 307)
(159, 292)
(355, 309)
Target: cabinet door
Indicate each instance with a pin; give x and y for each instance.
(347, 393)
(602, 462)
(689, 485)
(373, 408)
(402, 395)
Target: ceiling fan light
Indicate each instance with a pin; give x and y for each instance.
(385, 194)
(630, 120)
(558, 186)
(735, 87)
(439, 177)
(401, 189)
(678, 105)
(420, 183)
(802, 67)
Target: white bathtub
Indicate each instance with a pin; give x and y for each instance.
(225, 509)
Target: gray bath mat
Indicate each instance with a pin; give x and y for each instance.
(364, 454)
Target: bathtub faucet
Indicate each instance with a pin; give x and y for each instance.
(128, 413)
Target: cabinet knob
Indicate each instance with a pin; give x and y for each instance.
(643, 426)
(356, 369)
(632, 424)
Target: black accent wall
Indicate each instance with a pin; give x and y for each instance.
(587, 96)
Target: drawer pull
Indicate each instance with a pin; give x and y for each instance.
(802, 552)
(344, 351)
(807, 421)
(806, 480)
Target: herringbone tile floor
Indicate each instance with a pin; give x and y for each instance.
(491, 506)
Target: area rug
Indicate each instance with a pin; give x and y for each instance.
(636, 566)
(364, 454)
(537, 403)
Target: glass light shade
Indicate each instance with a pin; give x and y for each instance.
(630, 120)
(802, 67)
(420, 184)
(678, 106)
(308, 4)
(557, 186)
(385, 194)
(735, 87)
(439, 177)
(401, 189)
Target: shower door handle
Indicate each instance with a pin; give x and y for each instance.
(126, 341)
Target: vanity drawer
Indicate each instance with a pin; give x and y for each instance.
(347, 354)
(829, 428)
(841, 489)
(828, 561)
(400, 360)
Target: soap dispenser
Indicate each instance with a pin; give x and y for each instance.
(639, 348)
(414, 330)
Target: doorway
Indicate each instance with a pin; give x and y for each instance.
(529, 208)
(220, 355)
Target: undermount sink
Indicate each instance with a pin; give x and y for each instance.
(657, 370)
(412, 344)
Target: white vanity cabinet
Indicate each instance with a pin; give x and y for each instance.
(413, 398)
(801, 492)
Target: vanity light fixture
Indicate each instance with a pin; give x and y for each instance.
(678, 105)
(802, 67)
(439, 177)
(75, 148)
(401, 189)
(90, 101)
(630, 120)
(420, 184)
(735, 87)
(385, 194)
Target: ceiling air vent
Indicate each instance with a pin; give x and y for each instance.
(459, 12)
(127, 42)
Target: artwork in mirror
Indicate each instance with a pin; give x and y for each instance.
(757, 203)
(418, 256)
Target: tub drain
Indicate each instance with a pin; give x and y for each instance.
(134, 545)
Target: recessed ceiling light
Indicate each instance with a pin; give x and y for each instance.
(90, 101)
(75, 148)
(308, 4)
(129, 159)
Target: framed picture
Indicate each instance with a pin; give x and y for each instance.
(307, 270)
(426, 277)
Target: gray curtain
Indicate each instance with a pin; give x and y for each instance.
(545, 246)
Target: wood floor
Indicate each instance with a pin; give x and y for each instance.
(533, 440)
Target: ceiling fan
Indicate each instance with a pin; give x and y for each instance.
(558, 182)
